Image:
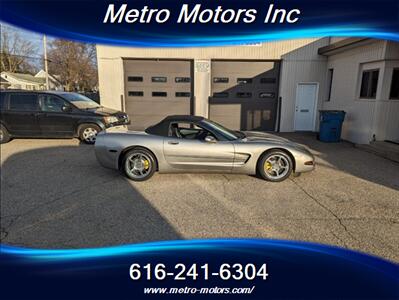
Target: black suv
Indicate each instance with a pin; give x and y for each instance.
(54, 114)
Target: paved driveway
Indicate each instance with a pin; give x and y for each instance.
(55, 195)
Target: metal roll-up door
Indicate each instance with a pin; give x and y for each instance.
(155, 89)
(244, 94)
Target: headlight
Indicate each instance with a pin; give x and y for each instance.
(110, 119)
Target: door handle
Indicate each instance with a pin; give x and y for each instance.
(173, 143)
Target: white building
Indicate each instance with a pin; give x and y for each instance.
(275, 86)
(29, 82)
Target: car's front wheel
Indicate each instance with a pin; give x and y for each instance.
(4, 135)
(275, 166)
(139, 164)
(88, 133)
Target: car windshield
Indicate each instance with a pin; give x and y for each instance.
(227, 133)
(80, 101)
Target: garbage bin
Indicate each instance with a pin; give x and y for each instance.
(331, 125)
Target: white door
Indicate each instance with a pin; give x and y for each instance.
(306, 95)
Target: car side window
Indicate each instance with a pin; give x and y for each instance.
(187, 130)
(2, 100)
(50, 103)
(23, 102)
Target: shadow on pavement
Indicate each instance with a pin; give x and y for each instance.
(345, 157)
(60, 197)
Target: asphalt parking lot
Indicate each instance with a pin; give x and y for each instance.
(54, 194)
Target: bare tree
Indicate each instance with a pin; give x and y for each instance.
(16, 53)
(75, 64)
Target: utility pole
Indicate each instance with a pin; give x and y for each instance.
(45, 60)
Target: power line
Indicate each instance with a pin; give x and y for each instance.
(23, 56)
(33, 57)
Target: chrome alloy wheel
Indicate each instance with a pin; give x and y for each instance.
(138, 165)
(89, 134)
(276, 166)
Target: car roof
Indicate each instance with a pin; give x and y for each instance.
(38, 91)
(162, 128)
(183, 118)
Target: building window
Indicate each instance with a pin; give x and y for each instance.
(135, 78)
(182, 79)
(267, 80)
(158, 79)
(244, 95)
(394, 93)
(136, 94)
(329, 82)
(244, 80)
(221, 95)
(368, 89)
(183, 94)
(266, 95)
(220, 80)
(159, 94)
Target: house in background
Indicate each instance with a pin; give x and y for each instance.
(4, 84)
(29, 82)
(271, 86)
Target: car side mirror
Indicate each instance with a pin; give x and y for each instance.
(66, 108)
(210, 139)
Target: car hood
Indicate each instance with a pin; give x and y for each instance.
(104, 111)
(256, 136)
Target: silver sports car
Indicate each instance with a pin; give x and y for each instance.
(196, 144)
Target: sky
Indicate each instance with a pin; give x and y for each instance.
(35, 38)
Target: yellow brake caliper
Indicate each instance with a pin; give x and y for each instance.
(268, 166)
(146, 164)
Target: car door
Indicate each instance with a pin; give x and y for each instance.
(20, 117)
(196, 154)
(56, 117)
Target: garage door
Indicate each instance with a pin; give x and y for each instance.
(244, 94)
(155, 89)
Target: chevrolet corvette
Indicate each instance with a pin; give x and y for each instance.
(196, 144)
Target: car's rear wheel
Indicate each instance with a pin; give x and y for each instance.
(4, 135)
(275, 165)
(88, 133)
(139, 164)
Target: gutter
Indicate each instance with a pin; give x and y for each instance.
(340, 46)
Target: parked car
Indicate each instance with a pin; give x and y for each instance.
(196, 144)
(54, 114)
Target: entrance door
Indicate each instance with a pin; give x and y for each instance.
(306, 96)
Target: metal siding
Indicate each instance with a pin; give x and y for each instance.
(270, 50)
(111, 82)
(300, 66)
(361, 120)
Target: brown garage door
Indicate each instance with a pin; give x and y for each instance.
(244, 94)
(155, 89)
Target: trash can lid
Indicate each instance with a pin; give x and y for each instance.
(332, 112)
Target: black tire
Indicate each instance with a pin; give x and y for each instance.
(88, 133)
(266, 166)
(4, 135)
(147, 166)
